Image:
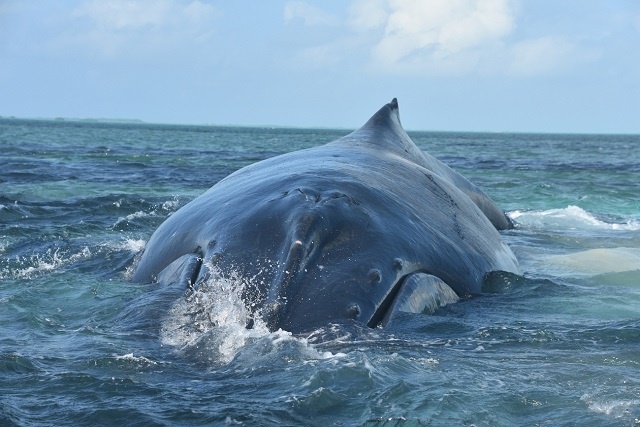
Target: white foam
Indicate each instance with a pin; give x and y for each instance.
(571, 217)
(130, 217)
(131, 245)
(212, 322)
(37, 264)
(598, 261)
(213, 316)
(137, 359)
(616, 408)
(171, 205)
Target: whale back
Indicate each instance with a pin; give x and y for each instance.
(384, 131)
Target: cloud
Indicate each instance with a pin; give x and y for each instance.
(439, 29)
(310, 15)
(366, 15)
(540, 56)
(138, 28)
(438, 38)
(412, 36)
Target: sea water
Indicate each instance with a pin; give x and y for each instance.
(82, 345)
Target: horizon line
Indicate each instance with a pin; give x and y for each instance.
(133, 122)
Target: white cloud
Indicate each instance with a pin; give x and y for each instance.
(441, 32)
(138, 28)
(311, 15)
(437, 37)
(411, 36)
(367, 15)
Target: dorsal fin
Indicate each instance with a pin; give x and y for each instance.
(384, 131)
(385, 122)
(388, 116)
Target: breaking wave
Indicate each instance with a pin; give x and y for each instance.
(571, 217)
(23, 267)
(56, 258)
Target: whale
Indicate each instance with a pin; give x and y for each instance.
(360, 229)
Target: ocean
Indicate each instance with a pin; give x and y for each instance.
(82, 345)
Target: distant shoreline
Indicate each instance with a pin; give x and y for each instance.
(75, 120)
(283, 127)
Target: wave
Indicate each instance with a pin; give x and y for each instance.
(26, 267)
(140, 360)
(56, 258)
(150, 212)
(131, 217)
(574, 243)
(616, 408)
(571, 217)
(130, 245)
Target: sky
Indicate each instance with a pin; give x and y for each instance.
(454, 65)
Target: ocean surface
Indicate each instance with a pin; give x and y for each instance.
(82, 345)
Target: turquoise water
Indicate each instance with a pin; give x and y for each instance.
(82, 345)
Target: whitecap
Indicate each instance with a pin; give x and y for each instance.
(571, 217)
(37, 264)
(130, 217)
(138, 359)
(171, 205)
(130, 245)
(614, 407)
